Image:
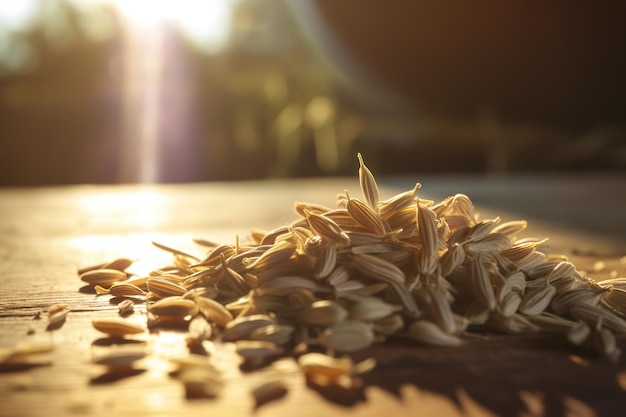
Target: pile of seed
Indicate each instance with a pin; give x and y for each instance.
(340, 279)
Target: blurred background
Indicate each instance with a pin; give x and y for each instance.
(160, 91)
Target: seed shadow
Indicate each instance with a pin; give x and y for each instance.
(110, 377)
(112, 341)
(497, 371)
(346, 396)
(87, 289)
(7, 367)
(55, 325)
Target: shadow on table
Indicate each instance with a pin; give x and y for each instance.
(506, 375)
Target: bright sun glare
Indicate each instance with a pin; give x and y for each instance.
(156, 86)
(205, 22)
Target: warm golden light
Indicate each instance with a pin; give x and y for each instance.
(157, 88)
(205, 22)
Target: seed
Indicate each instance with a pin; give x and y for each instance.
(199, 329)
(575, 331)
(242, 327)
(163, 288)
(175, 306)
(369, 188)
(123, 289)
(615, 298)
(327, 260)
(119, 264)
(365, 216)
(537, 300)
(269, 391)
(215, 255)
(590, 314)
(277, 333)
(378, 268)
(300, 208)
(324, 368)
(327, 228)
(103, 277)
(605, 344)
(117, 327)
(57, 314)
(372, 309)
(451, 259)
(125, 307)
(563, 302)
(398, 202)
(428, 333)
(483, 290)
(347, 336)
(323, 313)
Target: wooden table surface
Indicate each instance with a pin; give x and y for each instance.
(46, 234)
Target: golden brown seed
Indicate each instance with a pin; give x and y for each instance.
(324, 369)
(213, 310)
(175, 306)
(327, 228)
(116, 327)
(369, 188)
(163, 288)
(125, 307)
(57, 314)
(103, 277)
(123, 289)
(120, 264)
(365, 216)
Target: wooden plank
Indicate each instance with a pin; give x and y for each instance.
(47, 234)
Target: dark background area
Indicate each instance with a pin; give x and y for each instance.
(416, 86)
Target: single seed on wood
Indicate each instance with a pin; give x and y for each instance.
(126, 307)
(269, 391)
(116, 327)
(103, 277)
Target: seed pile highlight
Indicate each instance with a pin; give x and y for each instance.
(340, 279)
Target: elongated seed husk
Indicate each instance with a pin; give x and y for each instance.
(428, 333)
(174, 306)
(117, 327)
(103, 277)
(347, 336)
(369, 188)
